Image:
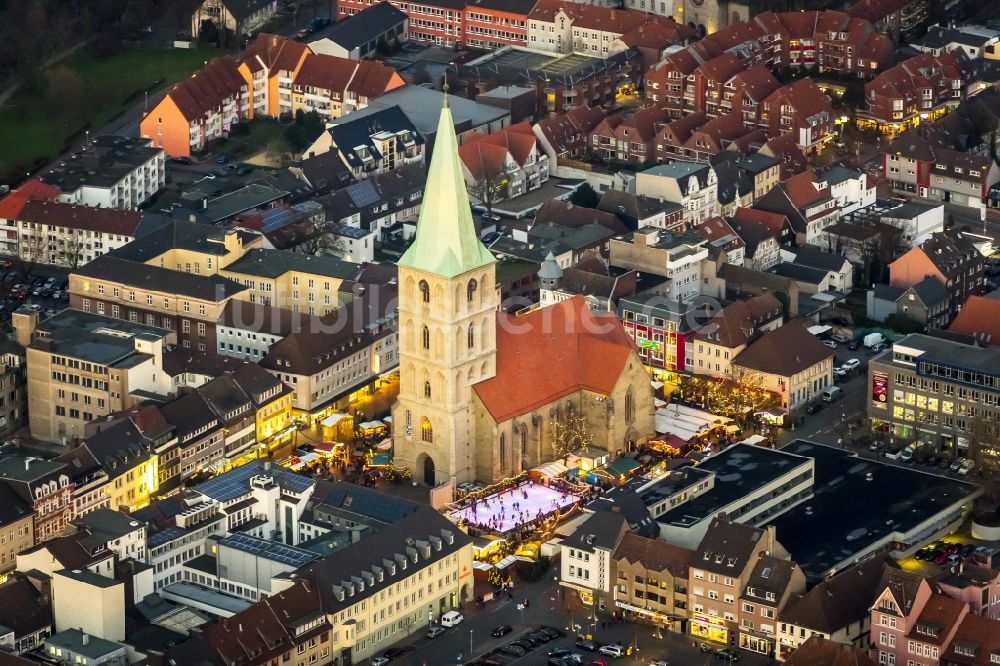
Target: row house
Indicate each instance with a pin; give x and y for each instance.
(911, 623)
(744, 93)
(705, 87)
(45, 487)
(835, 609)
(559, 26)
(334, 87)
(567, 135)
(722, 240)
(673, 136)
(716, 136)
(763, 234)
(723, 578)
(493, 24)
(198, 110)
(661, 329)
(693, 185)
(830, 41)
(506, 163)
(976, 581)
(650, 578)
(895, 18)
(69, 235)
(17, 532)
(808, 204)
(922, 88)
(628, 139)
(915, 166)
(802, 110)
(730, 331)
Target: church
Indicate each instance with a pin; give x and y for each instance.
(479, 389)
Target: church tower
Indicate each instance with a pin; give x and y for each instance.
(447, 324)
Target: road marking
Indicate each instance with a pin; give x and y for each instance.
(501, 605)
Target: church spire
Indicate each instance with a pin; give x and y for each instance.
(446, 243)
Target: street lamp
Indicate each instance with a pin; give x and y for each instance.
(470, 643)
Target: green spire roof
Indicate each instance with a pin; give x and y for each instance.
(446, 243)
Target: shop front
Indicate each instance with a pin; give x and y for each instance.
(756, 641)
(709, 628)
(654, 617)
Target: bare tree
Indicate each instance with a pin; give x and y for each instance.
(73, 248)
(317, 240)
(490, 185)
(32, 249)
(570, 435)
(743, 393)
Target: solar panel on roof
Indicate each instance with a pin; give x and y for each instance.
(363, 193)
(278, 218)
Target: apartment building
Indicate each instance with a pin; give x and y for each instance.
(109, 172)
(508, 162)
(772, 584)
(493, 24)
(328, 365)
(588, 558)
(268, 68)
(627, 139)
(198, 110)
(334, 87)
(831, 40)
(917, 166)
(661, 331)
(920, 89)
(976, 582)
(44, 486)
(853, 189)
(730, 331)
(71, 235)
(13, 387)
(677, 256)
(17, 528)
(763, 235)
(693, 185)
(82, 366)
(722, 240)
(807, 203)
(438, 22)
(802, 110)
(382, 205)
(650, 579)
(897, 18)
(949, 257)
(26, 615)
(796, 378)
(375, 143)
(723, 565)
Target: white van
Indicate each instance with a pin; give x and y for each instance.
(907, 454)
(451, 618)
(832, 393)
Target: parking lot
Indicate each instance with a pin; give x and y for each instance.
(948, 553)
(45, 294)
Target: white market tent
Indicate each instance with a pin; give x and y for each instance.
(334, 419)
(552, 470)
(686, 422)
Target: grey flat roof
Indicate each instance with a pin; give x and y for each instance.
(91, 337)
(423, 107)
(985, 359)
(71, 640)
(244, 199)
(849, 513)
(89, 577)
(739, 471)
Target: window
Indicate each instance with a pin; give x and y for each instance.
(425, 291)
(426, 338)
(470, 291)
(427, 390)
(471, 335)
(503, 450)
(426, 431)
(629, 406)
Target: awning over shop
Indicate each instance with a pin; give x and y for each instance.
(328, 447)
(686, 422)
(482, 566)
(334, 419)
(621, 467)
(384, 445)
(371, 425)
(506, 562)
(553, 470)
(381, 459)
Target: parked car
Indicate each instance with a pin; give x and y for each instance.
(222, 159)
(434, 632)
(502, 630)
(554, 633)
(814, 407)
(181, 160)
(966, 467)
(586, 644)
(524, 643)
(830, 343)
(841, 339)
(851, 364)
(727, 654)
(612, 651)
(559, 652)
(853, 346)
(513, 651)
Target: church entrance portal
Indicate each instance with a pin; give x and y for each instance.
(428, 470)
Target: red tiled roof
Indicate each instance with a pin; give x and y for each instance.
(38, 189)
(876, 10)
(589, 17)
(682, 127)
(723, 128)
(207, 88)
(273, 52)
(790, 157)
(482, 158)
(981, 634)
(11, 205)
(773, 222)
(801, 189)
(373, 78)
(804, 96)
(489, 151)
(562, 129)
(657, 32)
(980, 316)
(87, 218)
(941, 613)
(327, 72)
(564, 338)
(722, 68)
(757, 82)
(645, 122)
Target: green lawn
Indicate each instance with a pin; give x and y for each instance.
(89, 92)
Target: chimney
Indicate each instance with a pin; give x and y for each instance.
(24, 322)
(85, 639)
